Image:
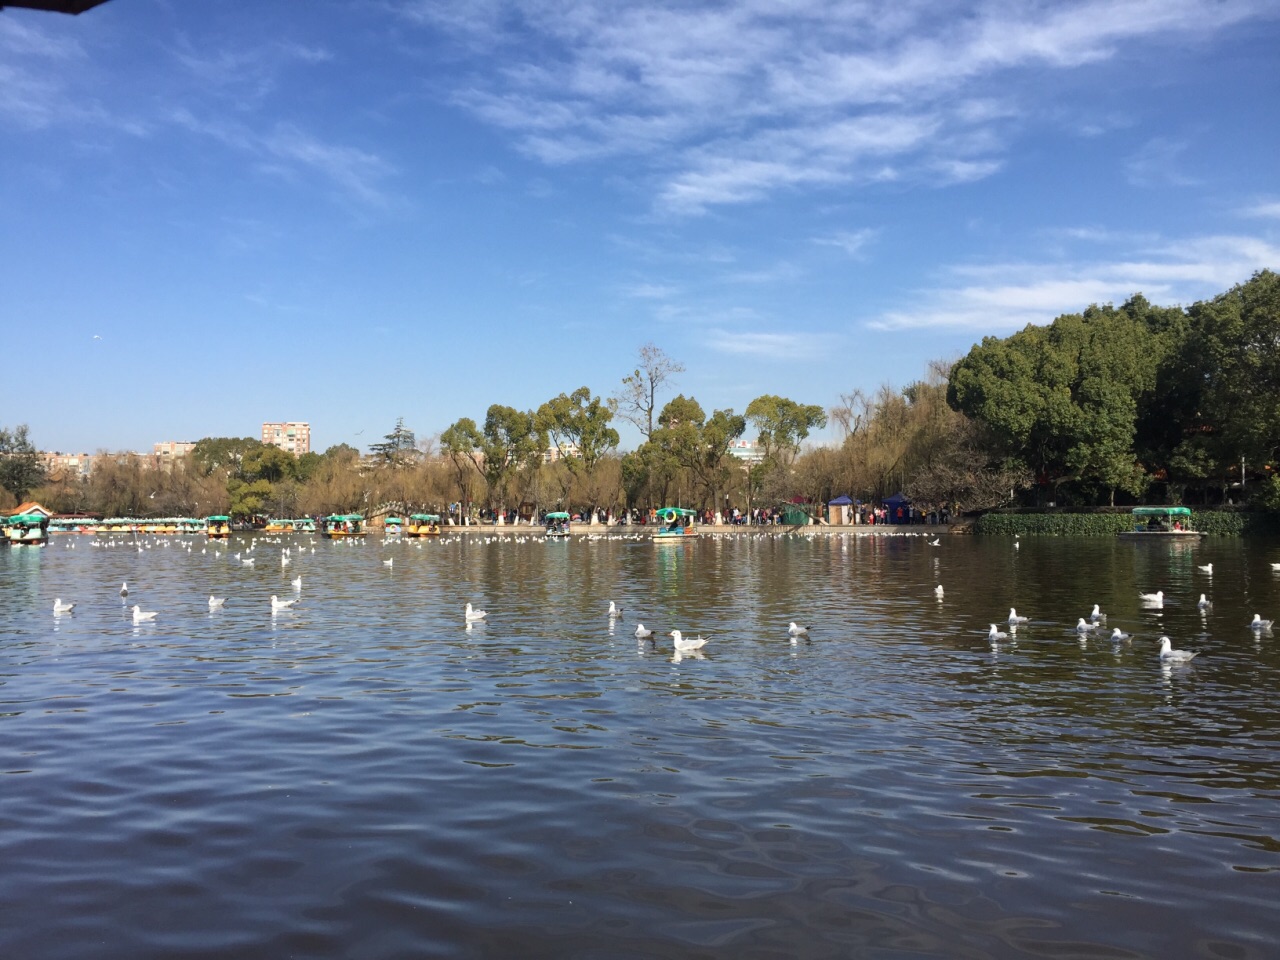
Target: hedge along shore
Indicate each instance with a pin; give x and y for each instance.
(1215, 523)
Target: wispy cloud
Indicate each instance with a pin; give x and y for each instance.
(1266, 209)
(1003, 297)
(288, 150)
(730, 103)
(852, 242)
(1157, 163)
(776, 346)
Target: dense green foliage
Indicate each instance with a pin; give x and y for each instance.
(1215, 523)
(1126, 400)
(21, 469)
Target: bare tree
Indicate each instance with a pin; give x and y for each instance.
(637, 400)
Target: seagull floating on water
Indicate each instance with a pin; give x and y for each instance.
(1207, 568)
(124, 589)
(683, 645)
(1084, 626)
(1167, 653)
(937, 591)
(215, 603)
(60, 607)
(390, 561)
(1014, 618)
(1204, 603)
(297, 583)
(615, 611)
(1119, 635)
(1259, 624)
(1097, 614)
(642, 633)
(277, 604)
(142, 616)
(995, 633)
(1154, 599)
(796, 630)
(472, 616)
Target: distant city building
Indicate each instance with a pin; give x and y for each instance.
(293, 438)
(554, 453)
(173, 449)
(66, 465)
(748, 451)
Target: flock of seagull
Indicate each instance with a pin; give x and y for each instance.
(1096, 621)
(1086, 627)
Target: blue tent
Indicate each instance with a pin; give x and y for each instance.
(892, 504)
(840, 502)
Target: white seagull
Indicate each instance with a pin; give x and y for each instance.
(59, 607)
(642, 633)
(937, 591)
(614, 611)
(142, 616)
(1207, 568)
(1084, 626)
(1014, 618)
(1204, 603)
(1167, 653)
(124, 589)
(389, 562)
(215, 603)
(1097, 614)
(1119, 636)
(995, 633)
(474, 616)
(683, 645)
(1155, 599)
(1259, 624)
(277, 604)
(935, 542)
(297, 583)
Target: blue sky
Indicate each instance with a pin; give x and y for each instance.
(345, 211)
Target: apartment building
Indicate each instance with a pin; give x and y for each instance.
(293, 438)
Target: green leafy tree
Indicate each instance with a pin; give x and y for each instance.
(248, 498)
(21, 468)
(699, 444)
(461, 443)
(511, 441)
(398, 449)
(578, 427)
(223, 453)
(783, 425)
(270, 463)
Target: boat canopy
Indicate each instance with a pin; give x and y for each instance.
(558, 515)
(670, 514)
(341, 517)
(27, 518)
(425, 517)
(1162, 511)
(217, 519)
(393, 520)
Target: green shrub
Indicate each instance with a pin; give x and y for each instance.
(1216, 523)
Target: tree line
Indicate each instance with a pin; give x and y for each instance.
(1166, 404)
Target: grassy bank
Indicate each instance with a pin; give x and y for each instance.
(1216, 523)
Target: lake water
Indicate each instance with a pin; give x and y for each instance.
(364, 777)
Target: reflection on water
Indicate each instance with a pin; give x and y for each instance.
(364, 774)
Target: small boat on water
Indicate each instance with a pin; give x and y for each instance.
(392, 527)
(558, 524)
(217, 527)
(342, 526)
(27, 530)
(1161, 523)
(423, 525)
(675, 525)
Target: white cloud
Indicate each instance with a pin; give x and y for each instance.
(1002, 297)
(730, 103)
(1268, 209)
(1157, 163)
(775, 346)
(852, 242)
